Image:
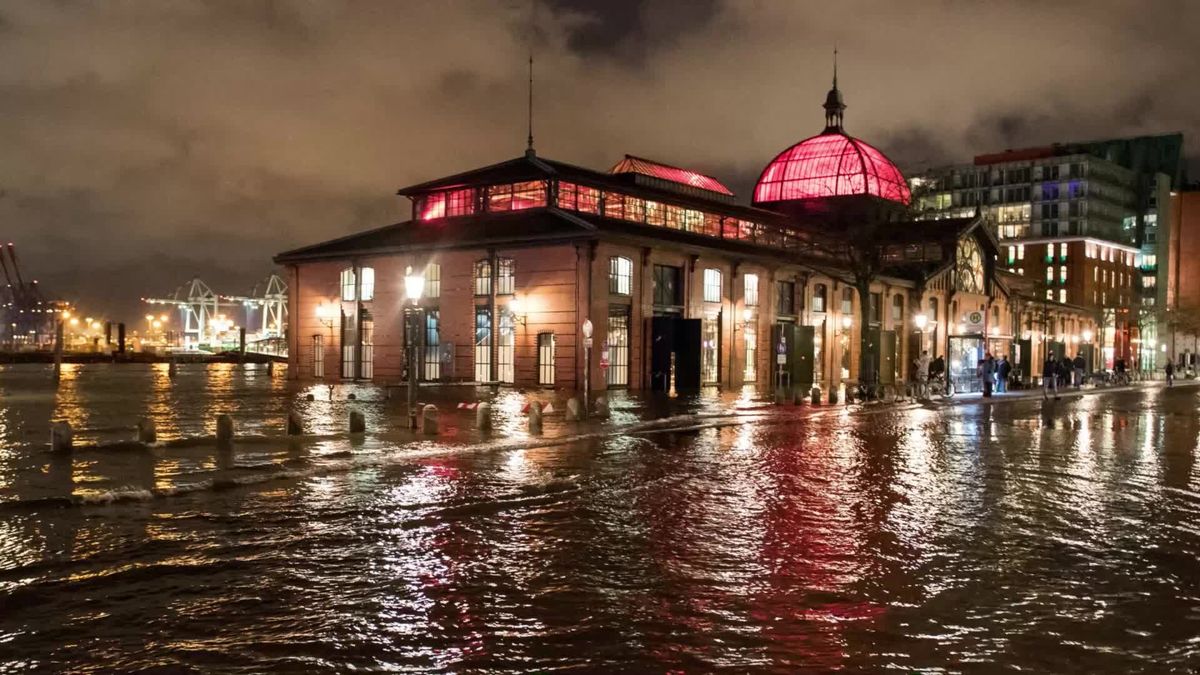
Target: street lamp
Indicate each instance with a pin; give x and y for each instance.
(920, 321)
(414, 286)
(587, 329)
(516, 307)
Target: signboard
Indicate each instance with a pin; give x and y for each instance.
(973, 321)
(587, 342)
(781, 359)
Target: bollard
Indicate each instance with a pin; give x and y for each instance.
(574, 410)
(833, 396)
(224, 430)
(601, 407)
(358, 423)
(171, 368)
(483, 417)
(270, 367)
(816, 396)
(780, 395)
(147, 431)
(61, 437)
(310, 397)
(294, 426)
(535, 417)
(429, 419)
(352, 397)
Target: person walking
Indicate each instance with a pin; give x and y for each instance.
(1078, 365)
(1050, 377)
(988, 370)
(1003, 368)
(1170, 373)
(923, 365)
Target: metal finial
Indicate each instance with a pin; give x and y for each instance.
(835, 65)
(532, 28)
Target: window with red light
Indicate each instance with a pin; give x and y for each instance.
(516, 196)
(434, 205)
(655, 214)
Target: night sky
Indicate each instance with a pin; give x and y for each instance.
(143, 143)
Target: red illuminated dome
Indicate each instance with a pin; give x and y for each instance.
(831, 164)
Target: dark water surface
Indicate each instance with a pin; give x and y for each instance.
(1011, 537)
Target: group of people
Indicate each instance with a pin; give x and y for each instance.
(994, 373)
(1060, 373)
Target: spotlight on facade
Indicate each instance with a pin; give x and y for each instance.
(920, 321)
(414, 284)
(1087, 335)
(516, 307)
(846, 322)
(747, 315)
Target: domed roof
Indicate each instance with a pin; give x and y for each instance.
(828, 165)
(831, 164)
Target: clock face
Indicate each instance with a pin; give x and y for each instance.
(970, 266)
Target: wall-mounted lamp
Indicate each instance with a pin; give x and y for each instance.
(516, 307)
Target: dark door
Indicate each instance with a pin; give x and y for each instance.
(688, 350)
(803, 352)
(1025, 349)
(886, 356)
(662, 346)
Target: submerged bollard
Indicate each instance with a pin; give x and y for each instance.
(224, 430)
(574, 410)
(483, 417)
(61, 437)
(310, 397)
(429, 419)
(270, 367)
(833, 396)
(535, 417)
(147, 431)
(601, 407)
(172, 369)
(358, 423)
(294, 425)
(816, 396)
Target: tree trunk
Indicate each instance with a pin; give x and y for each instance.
(866, 364)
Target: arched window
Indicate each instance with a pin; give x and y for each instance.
(847, 300)
(933, 310)
(620, 275)
(712, 285)
(483, 277)
(820, 298)
(506, 276)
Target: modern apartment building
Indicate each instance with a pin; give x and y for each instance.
(1112, 194)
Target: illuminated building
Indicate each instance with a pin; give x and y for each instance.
(683, 286)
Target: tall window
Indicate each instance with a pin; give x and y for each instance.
(1020, 251)
(349, 347)
(820, 297)
(318, 355)
(366, 368)
(348, 285)
(751, 288)
(483, 345)
(1049, 273)
(506, 348)
(483, 278)
(933, 311)
(433, 281)
(433, 346)
(1062, 274)
(710, 344)
(875, 309)
(712, 285)
(786, 290)
(545, 345)
(620, 275)
(367, 287)
(750, 335)
(668, 286)
(847, 300)
(897, 309)
(618, 347)
(1062, 251)
(506, 276)
(1062, 295)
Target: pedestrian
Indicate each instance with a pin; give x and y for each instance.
(1170, 373)
(1065, 369)
(923, 366)
(988, 369)
(1078, 365)
(1002, 371)
(1050, 377)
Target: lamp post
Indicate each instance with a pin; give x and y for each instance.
(414, 286)
(586, 328)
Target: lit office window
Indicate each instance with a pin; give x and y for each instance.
(348, 285)
(620, 275)
(712, 285)
(751, 286)
(368, 283)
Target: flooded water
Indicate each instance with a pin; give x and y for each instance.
(1013, 536)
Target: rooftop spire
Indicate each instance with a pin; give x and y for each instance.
(529, 152)
(835, 107)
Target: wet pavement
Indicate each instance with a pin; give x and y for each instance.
(715, 533)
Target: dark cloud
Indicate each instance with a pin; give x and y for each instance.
(145, 142)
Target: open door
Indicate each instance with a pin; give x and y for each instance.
(688, 352)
